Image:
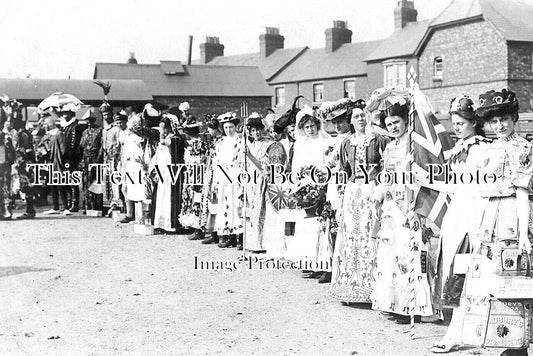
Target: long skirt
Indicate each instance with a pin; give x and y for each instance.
(191, 207)
(354, 260)
(401, 282)
(255, 216)
(229, 214)
(309, 245)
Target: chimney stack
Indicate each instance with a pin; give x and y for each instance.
(210, 49)
(337, 36)
(132, 59)
(404, 13)
(270, 41)
(189, 51)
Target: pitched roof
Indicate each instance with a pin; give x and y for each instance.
(347, 60)
(402, 43)
(512, 18)
(268, 66)
(196, 80)
(458, 11)
(85, 90)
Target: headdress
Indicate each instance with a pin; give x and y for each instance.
(120, 116)
(329, 111)
(228, 117)
(150, 115)
(89, 115)
(184, 106)
(304, 115)
(494, 103)
(255, 121)
(463, 106)
(383, 99)
(211, 121)
(288, 118)
(106, 107)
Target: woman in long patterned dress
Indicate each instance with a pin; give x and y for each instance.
(504, 218)
(208, 216)
(261, 153)
(399, 263)
(167, 196)
(230, 157)
(194, 157)
(460, 224)
(354, 259)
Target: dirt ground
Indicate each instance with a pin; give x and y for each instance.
(89, 286)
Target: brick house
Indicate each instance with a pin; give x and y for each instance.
(207, 88)
(478, 45)
(472, 46)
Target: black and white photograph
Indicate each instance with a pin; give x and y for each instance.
(344, 177)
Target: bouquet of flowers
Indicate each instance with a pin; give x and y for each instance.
(196, 151)
(311, 196)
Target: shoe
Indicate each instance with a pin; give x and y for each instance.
(66, 212)
(213, 239)
(313, 275)
(125, 220)
(239, 242)
(403, 320)
(325, 277)
(26, 216)
(196, 235)
(512, 352)
(443, 348)
(51, 211)
(230, 242)
(223, 240)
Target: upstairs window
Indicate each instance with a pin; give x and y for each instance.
(395, 74)
(280, 96)
(437, 68)
(318, 92)
(349, 89)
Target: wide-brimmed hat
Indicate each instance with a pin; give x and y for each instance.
(494, 103)
(211, 121)
(228, 117)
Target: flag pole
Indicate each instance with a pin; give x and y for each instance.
(410, 199)
(244, 209)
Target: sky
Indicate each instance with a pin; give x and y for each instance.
(62, 38)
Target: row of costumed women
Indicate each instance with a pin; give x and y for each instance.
(364, 235)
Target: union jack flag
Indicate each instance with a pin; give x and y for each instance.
(430, 143)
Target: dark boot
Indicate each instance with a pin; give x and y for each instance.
(239, 242)
(230, 242)
(196, 235)
(224, 239)
(511, 352)
(213, 239)
(325, 277)
(74, 204)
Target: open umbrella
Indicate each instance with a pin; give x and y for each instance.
(60, 100)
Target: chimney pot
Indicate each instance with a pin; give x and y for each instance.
(132, 59)
(404, 13)
(210, 49)
(338, 35)
(270, 41)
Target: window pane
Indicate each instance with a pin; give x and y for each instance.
(280, 96)
(437, 67)
(349, 88)
(318, 92)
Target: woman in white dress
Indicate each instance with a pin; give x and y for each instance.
(310, 148)
(503, 230)
(230, 156)
(400, 270)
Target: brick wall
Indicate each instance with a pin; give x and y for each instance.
(440, 97)
(218, 105)
(474, 60)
